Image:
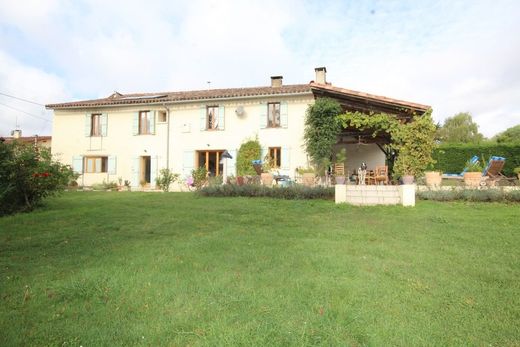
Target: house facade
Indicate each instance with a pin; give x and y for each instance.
(133, 136)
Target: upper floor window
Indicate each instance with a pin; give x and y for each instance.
(162, 117)
(95, 125)
(212, 117)
(273, 115)
(145, 120)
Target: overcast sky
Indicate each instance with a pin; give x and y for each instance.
(453, 55)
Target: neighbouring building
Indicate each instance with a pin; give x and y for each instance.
(41, 141)
(133, 136)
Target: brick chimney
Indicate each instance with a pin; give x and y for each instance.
(321, 75)
(276, 81)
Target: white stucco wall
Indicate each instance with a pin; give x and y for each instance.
(359, 153)
(69, 138)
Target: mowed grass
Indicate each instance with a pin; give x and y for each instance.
(130, 269)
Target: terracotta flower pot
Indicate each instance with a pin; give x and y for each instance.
(408, 179)
(240, 180)
(433, 178)
(267, 179)
(309, 179)
(472, 179)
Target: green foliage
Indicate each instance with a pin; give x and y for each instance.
(248, 151)
(341, 157)
(476, 195)
(450, 158)
(510, 135)
(294, 192)
(165, 179)
(105, 185)
(28, 174)
(413, 142)
(460, 129)
(200, 177)
(516, 170)
(322, 129)
(474, 166)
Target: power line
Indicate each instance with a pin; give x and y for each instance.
(27, 113)
(21, 99)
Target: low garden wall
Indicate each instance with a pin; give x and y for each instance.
(365, 195)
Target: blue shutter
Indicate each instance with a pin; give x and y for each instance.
(153, 170)
(135, 126)
(232, 163)
(88, 124)
(263, 115)
(264, 153)
(77, 164)
(221, 117)
(285, 158)
(152, 122)
(135, 172)
(188, 161)
(104, 124)
(202, 118)
(284, 115)
(112, 165)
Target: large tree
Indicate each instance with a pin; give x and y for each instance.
(510, 135)
(460, 129)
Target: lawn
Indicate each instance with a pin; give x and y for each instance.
(109, 269)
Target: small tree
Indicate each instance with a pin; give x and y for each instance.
(200, 177)
(322, 128)
(28, 174)
(510, 135)
(248, 151)
(165, 179)
(460, 129)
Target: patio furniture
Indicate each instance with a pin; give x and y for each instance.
(460, 176)
(493, 171)
(381, 174)
(370, 177)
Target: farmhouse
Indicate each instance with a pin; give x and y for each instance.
(133, 136)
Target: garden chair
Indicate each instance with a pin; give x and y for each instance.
(460, 176)
(381, 174)
(493, 171)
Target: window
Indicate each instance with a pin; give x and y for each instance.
(275, 153)
(163, 117)
(211, 161)
(96, 164)
(212, 117)
(95, 125)
(273, 115)
(145, 119)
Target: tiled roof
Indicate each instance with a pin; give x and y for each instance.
(28, 138)
(194, 95)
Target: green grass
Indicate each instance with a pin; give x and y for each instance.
(109, 269)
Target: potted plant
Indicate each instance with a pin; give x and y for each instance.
(473, 174)
(339, 166)
(308, 176)
(127, 185)
(266, 176)
(433, 178)
(516, 170)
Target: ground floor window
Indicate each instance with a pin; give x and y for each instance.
(276, 156)
(211, 161)
(96, 164)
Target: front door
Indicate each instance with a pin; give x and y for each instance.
(146, 165)
(211, 161)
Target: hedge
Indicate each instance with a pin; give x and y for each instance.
(452, 158)
(477, 195)
(294, 192)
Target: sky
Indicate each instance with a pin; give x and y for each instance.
(456, 56)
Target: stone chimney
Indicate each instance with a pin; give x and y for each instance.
(16, 133)
(276, 81)
(321, 75)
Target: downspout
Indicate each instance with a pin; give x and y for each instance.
(167, 136)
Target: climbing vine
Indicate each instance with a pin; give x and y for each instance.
(249, 150)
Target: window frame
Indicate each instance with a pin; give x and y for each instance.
(142, 127)
(160, 114)
(205, 155)
(215, 117)
(277, 122)
(277, 157)
(93, 159)
(95, 125)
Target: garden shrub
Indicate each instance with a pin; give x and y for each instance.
(165, 179)
(294, 192)
(248, 151)
(475, 195)
(451, 158)
(28, 174)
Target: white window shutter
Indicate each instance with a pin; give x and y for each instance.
(202, 118)
(77, 164)
(153, 170)
(88, 124)
(263, 115)
(188, 162)
(232, 163)
(264, 153)
(135, 125)
(135, 171)
(104, 124)
(284, 115)
(221, 118)
(112, 165)
(285, 158)
(152, 121)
